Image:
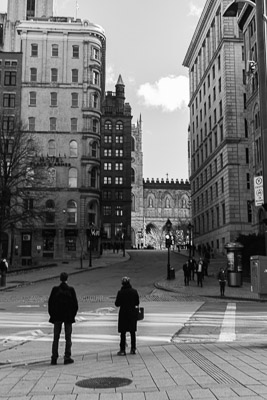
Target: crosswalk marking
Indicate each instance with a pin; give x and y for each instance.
(228, 325)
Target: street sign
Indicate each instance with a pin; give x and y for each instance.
(258, 191)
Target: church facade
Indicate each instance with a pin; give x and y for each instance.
(155, 201)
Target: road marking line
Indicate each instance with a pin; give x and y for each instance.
(228, 325)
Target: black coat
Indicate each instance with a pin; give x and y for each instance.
(127, 299)
(62, 304)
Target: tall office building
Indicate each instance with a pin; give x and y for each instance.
(219, 144)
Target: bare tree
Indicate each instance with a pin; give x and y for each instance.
(22, 179)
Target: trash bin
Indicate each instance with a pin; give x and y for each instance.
(234, 263)
(172, 273)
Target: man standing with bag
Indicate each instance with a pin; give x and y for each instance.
(62, 308)
(127, 299)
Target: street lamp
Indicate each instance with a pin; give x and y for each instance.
(261, 19)
(168, 243)
(190, 227)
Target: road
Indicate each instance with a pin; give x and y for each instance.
(23, 316)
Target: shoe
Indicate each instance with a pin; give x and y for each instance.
(68, 361)
(53, 361)
(121, 353)
(132, 351)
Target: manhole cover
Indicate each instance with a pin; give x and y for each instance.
(103, 383)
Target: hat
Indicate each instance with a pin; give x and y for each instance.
(125, 280)
(63, 276)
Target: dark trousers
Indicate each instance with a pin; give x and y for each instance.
(123, 340)
(68, 343)
(186, 279)
(222, 287)
(199, 278)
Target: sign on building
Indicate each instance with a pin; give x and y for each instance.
(258, 191)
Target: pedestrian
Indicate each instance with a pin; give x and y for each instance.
(187, 272)
(200, 272)
(62, 308)
(3, 265)
(222, 280)
(127, 299)
(192, 267)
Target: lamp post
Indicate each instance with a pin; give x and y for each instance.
(168, 245)
(261, 19)
(190, 226)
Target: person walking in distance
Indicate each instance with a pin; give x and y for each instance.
(192, 267)
(187, 272)
(127, 299)
(62, 308)
(222, 281)
(200, 272)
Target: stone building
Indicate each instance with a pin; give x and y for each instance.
(154, 201)
(63, 85)
(219, 143)
(116, 169)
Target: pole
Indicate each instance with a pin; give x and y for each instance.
(261, 7)
(90, 248)
(168, 264)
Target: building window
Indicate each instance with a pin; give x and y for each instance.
(50, 212)
(248, 181)
(34, 50)
(53, 124)
(95, 125)
(33, 74)
(118, 166)
(247, 156)
(223, 214)
(8, 123)
(75, 51)
(96, 53)
(107, 180)
(93, 177)
(107, 195)
(107, 231)
(107, 166)
(54, 50)
(119, 139)
(95, 100)
(10, 78)
(94, 149)
(72, 212)
(107, 152)
(119, 153)
(119, 126)
(107, 210)
(108, 126)
(32, 99)
(118, 180)
(73, 177)
(222, 184)
(73, 149)
(31, 121)
(74, 99)
(74, 124)
(74, 75)
(9, 100)
(51, 148)
(132, 175)
(54, 75)
(249, 211)
(119, 211)
(107, 139)
(95, 78)
(119, 195)
(53, 99)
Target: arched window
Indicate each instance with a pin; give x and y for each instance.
(119, 126)
(94, 149)
(51, 148)
(72, 212)
(132, 144)
(167, 203)
(132, 175)
(95, 125)
(73, 149)
(108, 125)
(73, 177)
(184, 202)
(150, 202)
(50, 212)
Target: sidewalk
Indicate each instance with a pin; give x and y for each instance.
(208, 371)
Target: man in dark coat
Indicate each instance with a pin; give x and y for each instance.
(187, 273)
(62, 308)
(127, 299)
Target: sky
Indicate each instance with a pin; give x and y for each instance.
(147, 41)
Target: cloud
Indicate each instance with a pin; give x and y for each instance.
(111, 79)
(169, 93)
(194, 10)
